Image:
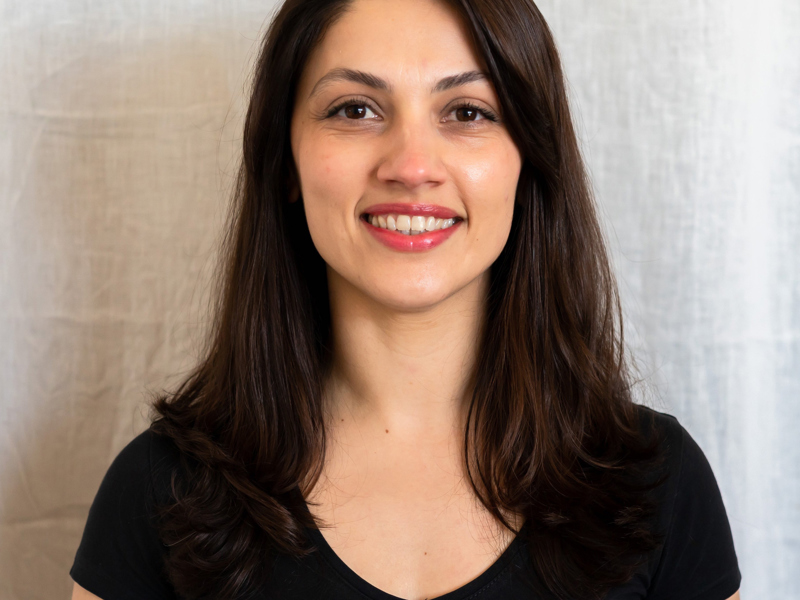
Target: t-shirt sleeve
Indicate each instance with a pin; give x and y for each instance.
(120, 556)
(698, 560)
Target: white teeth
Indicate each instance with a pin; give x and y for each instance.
(403, 222)
(417, 223)
(409, 225)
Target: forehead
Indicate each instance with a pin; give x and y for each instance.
(406, 42)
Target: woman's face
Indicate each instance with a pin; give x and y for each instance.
(395, 123)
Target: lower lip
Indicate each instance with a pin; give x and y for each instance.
(411, 243)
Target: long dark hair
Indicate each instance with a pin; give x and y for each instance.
(552, 432)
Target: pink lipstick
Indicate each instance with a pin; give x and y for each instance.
(410, 227)
(412, 210)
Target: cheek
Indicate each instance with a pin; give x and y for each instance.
(331, 184)
(489, 182)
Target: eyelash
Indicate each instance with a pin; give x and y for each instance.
(487, 114)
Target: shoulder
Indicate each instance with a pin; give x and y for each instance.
(697, 557)
(139, 479)
(685, 463)
(120, 552)
(683, 466)
(667, 426)
(149, 449)
(676, 446)
(146, 463)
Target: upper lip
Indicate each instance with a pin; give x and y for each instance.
(422, 210)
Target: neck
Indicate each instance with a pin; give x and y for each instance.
(403, 370)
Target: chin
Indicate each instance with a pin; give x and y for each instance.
(401, 289)
(413, 296)
(410, 303)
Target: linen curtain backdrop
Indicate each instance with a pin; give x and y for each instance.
(120, 126)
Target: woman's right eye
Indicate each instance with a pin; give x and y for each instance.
(353, 111)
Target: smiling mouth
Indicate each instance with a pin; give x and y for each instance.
(409, 224)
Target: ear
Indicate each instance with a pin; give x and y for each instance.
(294, 192)
(293, 184)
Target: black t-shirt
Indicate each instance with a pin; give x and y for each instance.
(120, 556)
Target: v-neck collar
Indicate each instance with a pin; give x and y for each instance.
(374, 593)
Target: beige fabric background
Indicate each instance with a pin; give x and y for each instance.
(119, 133)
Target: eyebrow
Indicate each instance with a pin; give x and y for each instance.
(373, 81)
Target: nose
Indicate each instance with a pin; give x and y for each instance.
(412, 159)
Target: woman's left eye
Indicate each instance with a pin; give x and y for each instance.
(469, 114)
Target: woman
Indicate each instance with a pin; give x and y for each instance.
(416, 386)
